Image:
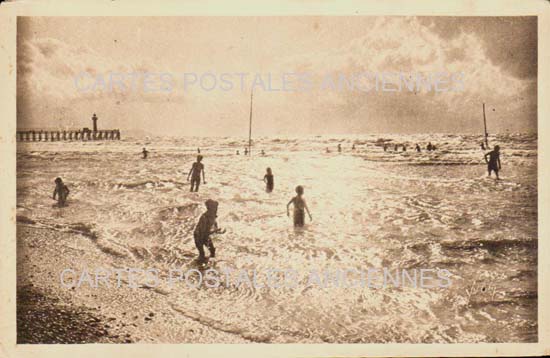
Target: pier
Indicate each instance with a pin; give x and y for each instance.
(84, 134)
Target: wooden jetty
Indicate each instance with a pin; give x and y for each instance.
(84, 134)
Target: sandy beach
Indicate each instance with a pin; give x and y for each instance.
(47, 313)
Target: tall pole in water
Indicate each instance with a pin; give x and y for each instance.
(250, 125)
(485, 126)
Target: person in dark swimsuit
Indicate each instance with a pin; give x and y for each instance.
(268, 179)
(300, 207)
(61, 191)
(206, 226)
(493, 163)
(195, 174)
(144, 152)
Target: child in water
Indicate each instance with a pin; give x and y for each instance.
(493, 164)
(61, 191)
(299, 206)
(195, 174)
(206, 226)
(268, 179)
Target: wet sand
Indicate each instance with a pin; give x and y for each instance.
(49, 313)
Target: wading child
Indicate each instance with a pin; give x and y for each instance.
(299, 207)
(195, 174)
(268, 179)
(61, 191)
(206, 226)
(493, 164)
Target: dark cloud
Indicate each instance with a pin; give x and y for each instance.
(500, 52)
(510, 42)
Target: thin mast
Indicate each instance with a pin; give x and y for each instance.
(250, 124)
(485, 126)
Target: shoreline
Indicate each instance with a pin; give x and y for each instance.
(49, 313)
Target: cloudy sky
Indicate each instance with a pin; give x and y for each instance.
(497, 55)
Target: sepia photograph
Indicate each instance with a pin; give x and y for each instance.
(277, 179)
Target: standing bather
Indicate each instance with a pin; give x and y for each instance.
(195, 174)
(61, 191)
(493, 163)
(268, 180)
(300, 207)
(207, 226)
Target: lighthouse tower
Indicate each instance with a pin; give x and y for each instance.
(94, 119)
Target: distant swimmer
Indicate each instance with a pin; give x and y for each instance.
(299, 206)
(263, 153)
(61, 191)
(237, 153)
(396, 148)
(353, 147)
(385, 147)
(417, 148)
(198, 151)
(429, 147)
(482, 146)
(245, 151)
(404, 148)
(144, 152)
(493, 164)
(195, 174)
(268, 179)
(339, 148)
(207, 226)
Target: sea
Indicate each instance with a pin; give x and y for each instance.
(395, 210)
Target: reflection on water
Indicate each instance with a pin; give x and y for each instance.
(406, 210)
